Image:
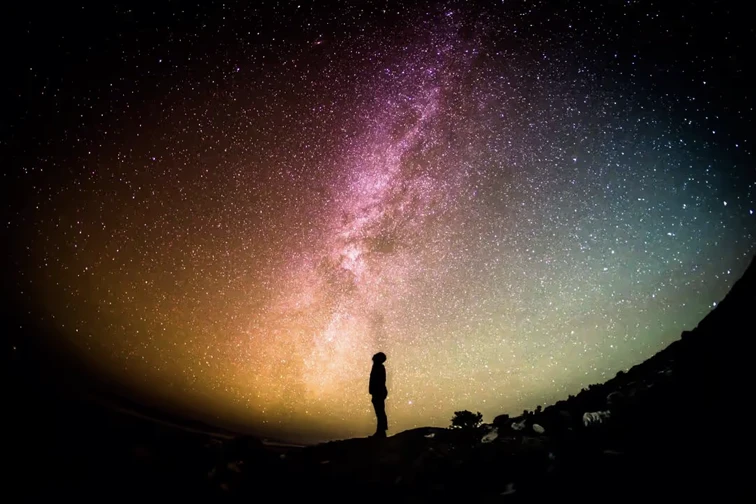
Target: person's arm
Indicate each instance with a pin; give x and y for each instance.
(383, 381)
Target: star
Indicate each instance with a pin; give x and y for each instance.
(236, 211)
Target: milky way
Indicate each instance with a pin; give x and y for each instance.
(501, 201)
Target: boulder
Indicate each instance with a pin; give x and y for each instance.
(595, 417)
(518, 426)
(490, 436)
(502, 421)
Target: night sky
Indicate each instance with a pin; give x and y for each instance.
(234, 207)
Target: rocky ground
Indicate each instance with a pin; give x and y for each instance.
(674, 427)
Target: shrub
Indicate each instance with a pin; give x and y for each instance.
(466, 420)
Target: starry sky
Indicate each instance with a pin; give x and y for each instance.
(233, 206)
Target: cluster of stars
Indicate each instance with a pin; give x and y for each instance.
(510, 201)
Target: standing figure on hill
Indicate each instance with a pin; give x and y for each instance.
(379, 392)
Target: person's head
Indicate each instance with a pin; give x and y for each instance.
(379, 358)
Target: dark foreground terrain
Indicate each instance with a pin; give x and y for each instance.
(677, 426)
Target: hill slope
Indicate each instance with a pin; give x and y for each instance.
(668, 427)
(674, 426)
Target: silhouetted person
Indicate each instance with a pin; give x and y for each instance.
(379, 392)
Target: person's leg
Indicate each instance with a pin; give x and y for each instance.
(384, 418)
(376, 407)
(380, 412)
(379, 405)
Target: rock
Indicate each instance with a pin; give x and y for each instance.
(501, 421)
(509, 490)
(490, 436)
(518, 426)
(595, 417)
(419, 433)
(538, 429)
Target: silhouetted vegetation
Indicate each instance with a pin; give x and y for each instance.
(466, 420)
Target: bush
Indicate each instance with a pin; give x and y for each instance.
(466, 420)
